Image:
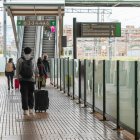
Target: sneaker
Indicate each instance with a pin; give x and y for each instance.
(26, 112)
(31, 111)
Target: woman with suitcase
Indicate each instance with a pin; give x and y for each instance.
(42, 72)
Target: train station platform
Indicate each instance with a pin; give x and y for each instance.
(64, 120)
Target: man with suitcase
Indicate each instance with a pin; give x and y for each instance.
(25, 74)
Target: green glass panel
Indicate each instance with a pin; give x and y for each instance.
(99, 85)
(110, 79)
(127, 85)
(71, 76)
(89, 81)
(55, 72)
(76, 77)
(52, 71)
(66, 75)
(62, 73)
(59, 72)
(82, 79)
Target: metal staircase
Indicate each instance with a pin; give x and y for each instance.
(29, 36)
(48, 46)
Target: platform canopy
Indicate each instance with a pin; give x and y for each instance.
(103, 3)
(35, 8)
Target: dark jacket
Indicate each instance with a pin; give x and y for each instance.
(41, 69)
(46, 64)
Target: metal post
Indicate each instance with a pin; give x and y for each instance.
(60, 76)
(118, 95)
(104, 92)
(79, 81)
(54, 72)
(85, 89)
(68, 79)
(136, 100)
(93, 97)
(64, 74)
(74, 39)
(57, 70)
(60, 29)
(50, 71)
(73, 80)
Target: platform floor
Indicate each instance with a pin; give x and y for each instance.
(64, 120)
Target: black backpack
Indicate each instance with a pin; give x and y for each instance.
(26, 68)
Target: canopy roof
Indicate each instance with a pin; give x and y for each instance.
(38, 9)
(103, 3)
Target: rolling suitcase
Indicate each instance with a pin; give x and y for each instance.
(16, 83)
(41, 100)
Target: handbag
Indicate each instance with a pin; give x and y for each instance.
(44, 81)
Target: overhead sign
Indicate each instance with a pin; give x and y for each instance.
(107, 29)
(36, 23)
(52, 23)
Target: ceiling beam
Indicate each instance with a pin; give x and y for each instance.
(35, 10)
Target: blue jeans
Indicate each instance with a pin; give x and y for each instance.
(10, 76)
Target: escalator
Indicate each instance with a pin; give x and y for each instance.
(29, 36)
(48, 45)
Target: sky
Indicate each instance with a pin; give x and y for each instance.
(127, 16)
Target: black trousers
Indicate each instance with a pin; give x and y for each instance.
(27, 97)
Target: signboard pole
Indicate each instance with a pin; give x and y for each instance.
(74, 39)
(4, 32)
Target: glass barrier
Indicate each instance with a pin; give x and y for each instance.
(76, 76)
(55, 71)
(62, 74)
(139, 97)
(71, 76)
(99, 84)
(126, 85)
(82, 79)
(58, 72)
(89, 81)
(127, 94)
(111, 93)
(66, 75)
(52, 71)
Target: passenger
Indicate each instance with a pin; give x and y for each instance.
(46, 64)
(25, 74)
(9, 72)
(42, 73)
